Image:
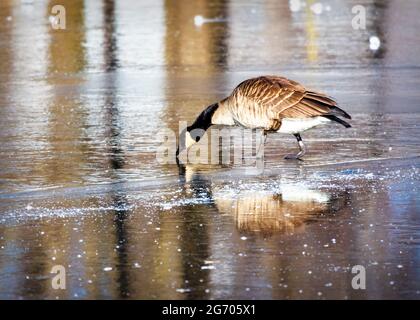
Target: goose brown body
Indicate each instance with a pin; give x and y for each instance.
(264, 102)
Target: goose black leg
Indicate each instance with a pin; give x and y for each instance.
(302, 148)
(260, 151)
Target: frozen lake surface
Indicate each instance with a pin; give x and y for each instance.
(80, 185)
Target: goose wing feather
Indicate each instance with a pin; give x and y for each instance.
(279, 98)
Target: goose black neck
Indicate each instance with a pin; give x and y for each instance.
(203, 121)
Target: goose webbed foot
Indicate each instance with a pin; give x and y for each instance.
(296, 156)
(302, 148)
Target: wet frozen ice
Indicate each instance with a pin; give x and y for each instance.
(77, 136)
(295, 5)
(317, 8)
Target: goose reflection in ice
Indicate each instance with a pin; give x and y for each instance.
(261, 208)
(286, 208)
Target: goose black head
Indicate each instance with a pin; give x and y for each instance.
(193, 133)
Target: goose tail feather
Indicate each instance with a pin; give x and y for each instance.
(337, 119)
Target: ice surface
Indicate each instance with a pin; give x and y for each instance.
(80, 186)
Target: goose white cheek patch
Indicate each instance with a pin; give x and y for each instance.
(189, 141)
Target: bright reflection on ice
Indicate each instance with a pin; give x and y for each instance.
(374, 43)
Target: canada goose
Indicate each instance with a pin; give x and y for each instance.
(270, 103)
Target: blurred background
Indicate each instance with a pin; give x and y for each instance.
(80, 185)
